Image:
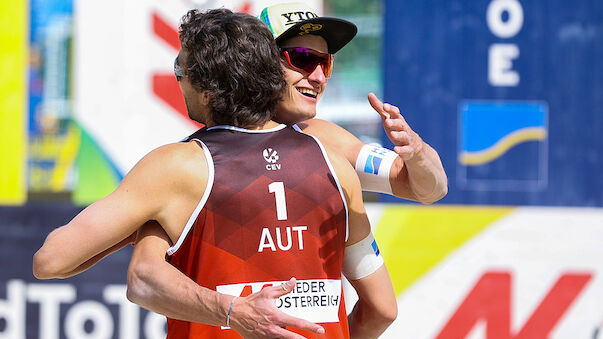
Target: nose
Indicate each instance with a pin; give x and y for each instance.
(317, 76)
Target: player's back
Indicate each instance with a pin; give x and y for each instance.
(273, 209)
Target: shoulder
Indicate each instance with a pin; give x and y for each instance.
(171, 164)
(174, 156)
(334, 136)
(320, 127)
(317, 125)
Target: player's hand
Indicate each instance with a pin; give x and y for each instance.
(406, 142)
(256, 316)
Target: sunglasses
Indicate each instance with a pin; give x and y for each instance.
(306, 60)
(178, 72)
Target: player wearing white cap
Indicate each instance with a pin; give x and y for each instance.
(413, 169)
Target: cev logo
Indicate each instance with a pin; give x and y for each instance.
(270, 155)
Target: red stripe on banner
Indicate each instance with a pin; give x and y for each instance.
(167, 89)
(554, 305)
(165, 31)
(490, 301)
(245, 7)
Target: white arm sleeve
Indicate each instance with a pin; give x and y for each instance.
(362, 258)
(372, 166)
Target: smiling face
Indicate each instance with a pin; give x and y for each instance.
(303, 90)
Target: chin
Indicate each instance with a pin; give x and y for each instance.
(305, 111)
(310, 115)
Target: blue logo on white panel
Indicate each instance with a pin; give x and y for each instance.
(375, 248)
(373, 161)
(372, 164)
(503, 146)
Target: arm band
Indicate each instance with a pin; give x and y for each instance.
(372, 166)
(362, 258)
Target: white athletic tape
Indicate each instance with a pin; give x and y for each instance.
(362, 258)
(373, 165)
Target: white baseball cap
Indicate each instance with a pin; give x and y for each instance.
(294, 19)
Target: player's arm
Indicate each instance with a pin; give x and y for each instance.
(413, 170)
(374, 312)
(377, 307)
(107, 224)
(151, 283)
(155, 284)
(92, 261)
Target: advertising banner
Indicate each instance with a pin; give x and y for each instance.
(483, 272)
(90, 305)
(127, 100)
(458, 272)
(13, 102)
(508, 92)
(53, 137)
(127, 97)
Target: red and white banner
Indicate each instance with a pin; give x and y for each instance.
(125, 92)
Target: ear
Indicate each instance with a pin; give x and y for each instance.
(205, 98)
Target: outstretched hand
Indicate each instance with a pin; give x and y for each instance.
(256, 316)
(406, 142)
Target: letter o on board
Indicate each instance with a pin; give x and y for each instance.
(93, 311)
(154, 326)
(494, 18)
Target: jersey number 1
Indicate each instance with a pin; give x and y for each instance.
(278, 188)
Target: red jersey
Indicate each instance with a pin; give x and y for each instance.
(273, 209)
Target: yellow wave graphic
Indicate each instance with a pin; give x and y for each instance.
(415, 239)
(502, 146)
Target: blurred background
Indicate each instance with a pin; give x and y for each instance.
(509, 92)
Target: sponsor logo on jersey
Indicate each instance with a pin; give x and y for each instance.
(271, 157)
(315, 300)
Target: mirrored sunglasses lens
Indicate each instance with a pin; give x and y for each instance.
(308, 62)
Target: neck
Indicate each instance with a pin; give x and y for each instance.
(267, 125)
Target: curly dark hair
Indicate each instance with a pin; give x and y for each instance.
(234, 59)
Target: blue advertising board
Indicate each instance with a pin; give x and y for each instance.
(509, 92)
(92, 304)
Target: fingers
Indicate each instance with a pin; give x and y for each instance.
(398, 124)
(287, 320)
(290, 321)
(386, 111)
(377, 105)
(393, 111)
(282, 289)
(272, 332)
(283, 333)
(301, 324)
(400, 138)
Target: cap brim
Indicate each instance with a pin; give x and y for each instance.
(337, 32)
